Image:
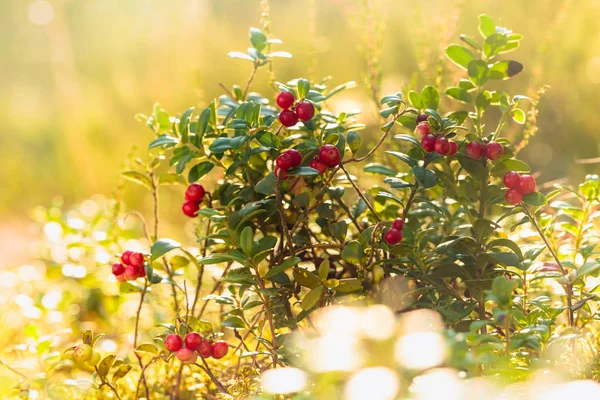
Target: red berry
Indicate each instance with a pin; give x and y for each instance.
(284, 161)
(136, 259)
(190, 208)
(195, 192)
(318, 165)
(187, 356)
(285, 100)
(422, 118)
(305, 110)
(398, 224)
(475, 150)
(281, 174)
(393, 236)
(205, 349)
(118, 268)
(422, 130)
(121, 278)
(513, 196)
(173, 342)
(219, 349)
(131, 273)
(494, 150)
(288, 118)
(512, 180)
(141, 272)
(329, 155)
(453, 148)
(295, 156)
(527, 184)
(125, 257)
(192, 340)
(442, 147)
(428, 143)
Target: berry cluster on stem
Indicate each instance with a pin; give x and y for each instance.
(188, 348)
(518, 185)
(292, 112)
(130, 268)
(194, 195)
(433, 141)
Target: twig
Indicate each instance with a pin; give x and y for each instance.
(360, 194)
(213, 378)
(250, 78)
(13, 370)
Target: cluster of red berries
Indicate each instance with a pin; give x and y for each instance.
(194, 195)
(187, 349)
(289, 159)
(130, 268)
(518, 185)
(329, 157)
(492, 150)
(394, 235)
(290, 115)
(437, 143)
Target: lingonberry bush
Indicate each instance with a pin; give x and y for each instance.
(455, 225)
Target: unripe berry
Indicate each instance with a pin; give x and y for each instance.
(288, 118)
(305, 110)
(192, 340)
(285, 100)
(195, 192)
(513, 196)
(329, 155)
(219, 349)
(281, 174)
(131, 273)
(475, 150)
(398, 224)
(94, 359)
(494, 150)
(428, 143)
(393, 236)
(118, 269)
(173, 343)
(205, 349)
(421, 118)
(453, 148)
(422, 130)
(442, 147)
(136, 259)
(187, 356)
(318, 165)
(295, 156)
(512, 180)
(284, 161)
(83, 352)
(125, 257)
(527, 184)
(190, 208)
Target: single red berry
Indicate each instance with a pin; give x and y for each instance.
(305, 110)
(513, 196)
(295, 156)
(494, 150)
(428, 143)
(393, 236)
(284, 161)
(187, 356)
(192, 340)
(475, 150)
(453, 148)
(398, 224)
(205, 349)
(442, 146)
(195, 192)
(512, 180)
(141, 271)
(288, 118)
(136, 259)
(285, 100)
(422, 118)
(281, 174)
(125, 257)
(121, 278)
(329, 155)
(527, 184)
(130, 273)
(219, 349)
(190, 208)
(118, 269)
(173, 342)
(318, 165)
(422, 130)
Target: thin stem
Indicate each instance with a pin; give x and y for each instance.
(135, 338)
(360, 194)
(213, 378)
(13, 370)
(227, 91)
(284, 227)
(250, 78)
(105, 382)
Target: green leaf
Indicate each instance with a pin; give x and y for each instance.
(587, 269)
(507, 259)
(475, 168)
(403, 157)
(268, 139)
(408, 138)
(303, 171)
(494, 44)
(502, 70)
(312, 298)
(477, 70)
(518, 116)
(130, 287)
(502, 242)
(324, 269)
(353, 140)
(266, 185)
(199, 170)
(348, 285)
(535, 199)
(237, 54)
(459, 55)
(138, 178)
(87, 337)
(106, 364)
(415, 100)
(258, 39)
(303, 87)
(247, 240)
(510, 164)
(375, 168)
(234, 322)
(203, 120)
(430, 98)
(163, 140)
(426, 178)
(486, 26)
(285, 265)
(162, 247)
(459, 94)
(121, 371)
(147, 348)
(306, 278)
(353, 252)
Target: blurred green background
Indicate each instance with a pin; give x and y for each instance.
(74, 73)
